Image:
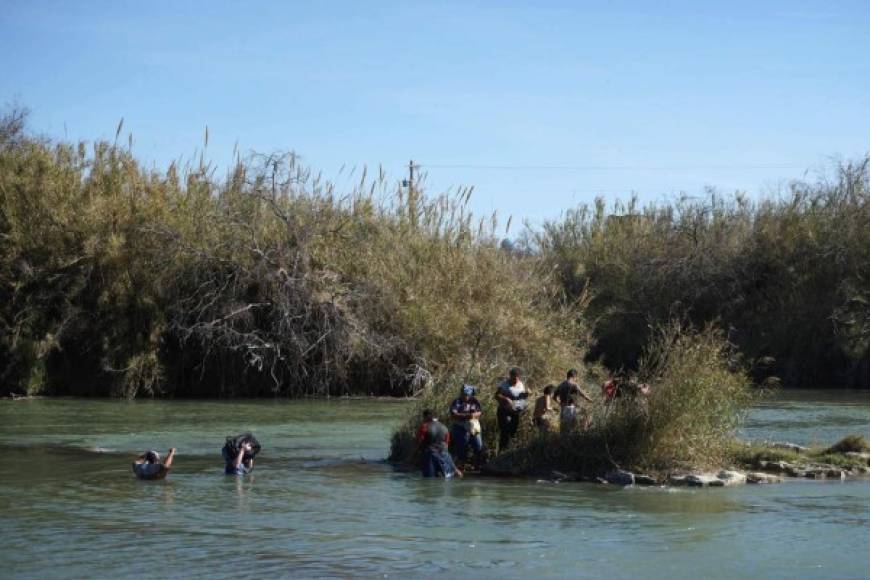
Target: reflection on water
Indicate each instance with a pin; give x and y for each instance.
(321, 502)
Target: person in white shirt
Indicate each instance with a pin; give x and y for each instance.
(512, 401)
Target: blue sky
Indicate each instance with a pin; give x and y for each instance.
(540, 106)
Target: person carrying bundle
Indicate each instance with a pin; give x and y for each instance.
(239, 453)
(465, 412)
(512, 401)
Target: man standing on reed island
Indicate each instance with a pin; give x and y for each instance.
(465, 411)
(565, 392)
(512, 401)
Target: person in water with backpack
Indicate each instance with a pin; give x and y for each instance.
(239, 453)
(512, 401)
(465, 411)
(148, 465)
(432, 441)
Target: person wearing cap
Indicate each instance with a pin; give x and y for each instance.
(465, 411)
(149, 466)
(565, 392)
(512, 401)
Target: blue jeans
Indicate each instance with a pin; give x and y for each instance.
(461, 439)
(437, 464)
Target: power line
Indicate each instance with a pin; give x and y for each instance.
(610, 167)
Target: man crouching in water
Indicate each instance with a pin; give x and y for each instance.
(149, 466)
(432, 441)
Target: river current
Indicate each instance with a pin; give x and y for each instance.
(323, 503)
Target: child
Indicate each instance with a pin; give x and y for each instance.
(543, 405)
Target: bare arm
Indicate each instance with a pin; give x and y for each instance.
(168, 463)
(506, 401)
(240, 455)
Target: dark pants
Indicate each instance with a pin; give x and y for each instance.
(460, 439)
(508, 421)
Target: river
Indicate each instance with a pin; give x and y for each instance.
(322, 502)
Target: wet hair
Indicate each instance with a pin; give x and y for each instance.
(572, 374)
(152, 456)
(515, 372)
(548, 390)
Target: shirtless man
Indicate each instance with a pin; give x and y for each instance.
(565, 394)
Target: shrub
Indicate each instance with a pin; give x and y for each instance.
(850, 443)
(697, 398)
(786, 276)
(117, 280)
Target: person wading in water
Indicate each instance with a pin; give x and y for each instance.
(149, 466)
(432, 441)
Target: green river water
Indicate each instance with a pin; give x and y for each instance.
(322, 502)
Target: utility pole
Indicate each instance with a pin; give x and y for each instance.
(412, 195)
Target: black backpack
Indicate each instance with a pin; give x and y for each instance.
(233, 444)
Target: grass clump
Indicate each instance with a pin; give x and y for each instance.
(760, 455)
(853, 443)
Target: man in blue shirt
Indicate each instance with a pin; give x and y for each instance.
(465, 412)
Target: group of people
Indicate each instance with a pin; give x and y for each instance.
(238, 453)
(438, 446)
